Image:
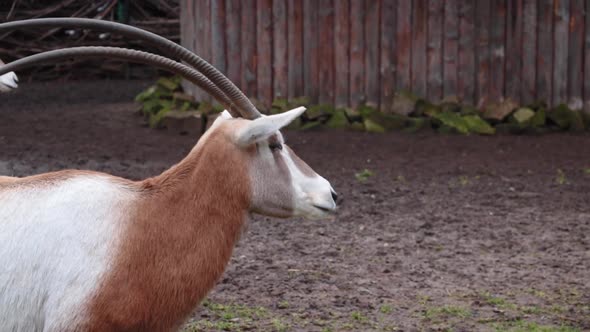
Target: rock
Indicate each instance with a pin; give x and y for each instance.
(475, 124)
(451, 99)
(403, 103)
(469, 110)
(453, 120)
(538, 120)
(191, 122)
(500, 110)
(416, 124)
(373, 127)
(450, 107)
(523, 115)
(566, 118)
(338, 120)
(183, 97)
(424, 107)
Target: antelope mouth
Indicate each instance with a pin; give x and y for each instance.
(324, 209)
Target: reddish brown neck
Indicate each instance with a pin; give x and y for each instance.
(180, 241)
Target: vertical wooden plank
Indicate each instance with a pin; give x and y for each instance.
(357, 52)
(576, 54)
(372, 25)
(403, 52)
(419, 40)
(264, 51)
(451, 47)
(497, 49)
(529, 51)
(482, 20)
(218, 51)
(326, 52)
(545, 51)
(187, 36)
(561, 12)
(466, 73)
(295, 48)
(513, 52)
(341, 50)
(248, 41)
(435, 37)
(310, 49)
(203, 38)
(280, 48)
(387, 60)
(233, 27)
(587, 54)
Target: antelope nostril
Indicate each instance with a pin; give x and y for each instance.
(334, 196)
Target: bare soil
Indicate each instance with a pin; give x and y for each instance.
(463, 233)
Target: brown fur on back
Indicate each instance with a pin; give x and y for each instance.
(178, 241)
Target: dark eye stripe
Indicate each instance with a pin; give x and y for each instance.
(275, 146)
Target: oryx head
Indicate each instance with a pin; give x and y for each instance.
(282, 185)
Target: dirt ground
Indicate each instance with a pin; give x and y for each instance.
(462, 233)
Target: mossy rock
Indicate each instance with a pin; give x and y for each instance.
(310, 125)
(450, 107)
(388, 121)
(540, 118)
(338, 120)
(417, 124)
(453, 120)
(522, 116)
(279, 105)
(468, 110)
(403, 103)
(317, 112)
(169, 83)
(537, 105)
(565, 118)
(373, 127)
(423, 107)
(475, 124)
(500, 110)
(560, 116)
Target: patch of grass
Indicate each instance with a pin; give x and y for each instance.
(386, 309)
(358, 316)
(283, 305)
(446, 311)
(423, 299)
(586, 170)
(525, 326)
(279, 326)
(561, 178)
(464, 180)
(497, 301)
(364, 175)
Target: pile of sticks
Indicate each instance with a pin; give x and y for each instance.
(159, 16)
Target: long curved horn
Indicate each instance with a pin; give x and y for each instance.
(124, 54)
(170, 48)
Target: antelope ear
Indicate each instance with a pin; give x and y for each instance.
(261, 128)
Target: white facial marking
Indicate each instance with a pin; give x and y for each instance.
(55, 244)
(312, 194)
(8, 82)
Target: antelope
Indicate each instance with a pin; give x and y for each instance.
(8, 81)
(88, 251)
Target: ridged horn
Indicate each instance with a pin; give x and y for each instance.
(129, 55)
(168, 47)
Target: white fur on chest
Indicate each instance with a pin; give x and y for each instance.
(55, 243)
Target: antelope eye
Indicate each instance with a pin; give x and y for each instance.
(274, 146)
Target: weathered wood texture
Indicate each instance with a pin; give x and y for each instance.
(348, 52)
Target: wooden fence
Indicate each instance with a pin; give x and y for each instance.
(351, 51)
